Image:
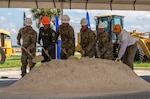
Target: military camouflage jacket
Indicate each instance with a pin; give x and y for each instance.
(28, 36)
(87, 40)
(104, 42)
(67, 36)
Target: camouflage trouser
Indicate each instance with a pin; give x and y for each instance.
(69, 53)
(107, 55)
(129, 55)
(26, 59)
(90, 53)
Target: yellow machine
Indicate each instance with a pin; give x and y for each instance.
(5, 45)
(143, 40)
(143, 52)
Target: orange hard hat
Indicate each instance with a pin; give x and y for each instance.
(45, 20)
(117, 28)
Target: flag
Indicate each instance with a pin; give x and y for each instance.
(57, 22)
(58, 46)
(24, 17)
(88, 19)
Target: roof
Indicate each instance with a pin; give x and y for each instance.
(79, 4)
(108, 15)
(4, 32)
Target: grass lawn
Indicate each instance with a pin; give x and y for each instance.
(144, 64)
(14, 61)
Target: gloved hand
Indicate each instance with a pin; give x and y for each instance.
(117, 60)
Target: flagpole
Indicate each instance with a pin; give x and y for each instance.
(24, 17)
(58, 45)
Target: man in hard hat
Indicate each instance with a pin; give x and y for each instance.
(66, 32)
(105, 47)
(128, 46)
(49, 39)
(87, 39)
(29, 38)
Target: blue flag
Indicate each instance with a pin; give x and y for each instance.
(24, 17)
(88, 19)
(58, 46)
(57, 22)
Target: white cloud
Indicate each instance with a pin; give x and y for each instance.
(11, 25)
(146, 26)
(143, 18)
(9, 14)
(13, 31)
(136, 26)
(2, 19)
(75, 21)
(29, 16)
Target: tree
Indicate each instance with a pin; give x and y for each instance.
(40, 12)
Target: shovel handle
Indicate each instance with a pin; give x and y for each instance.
(64, 51)
(45, 52)
(27, 51)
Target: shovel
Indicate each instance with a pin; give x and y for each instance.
(46, 53)
(69, 57)
(64, 51)
(27, 51)
(36, 58)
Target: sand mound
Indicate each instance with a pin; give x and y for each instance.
(76, 76)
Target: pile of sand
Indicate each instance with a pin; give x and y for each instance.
(79, 76)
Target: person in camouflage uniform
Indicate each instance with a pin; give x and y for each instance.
(105, 47)
(87, 39)
(49, 38)
(29, 38)
(67, 36)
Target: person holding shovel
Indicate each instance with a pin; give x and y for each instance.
(66, 32)
(87, 39)
(105, 47)
(29, 38)
(49, 38)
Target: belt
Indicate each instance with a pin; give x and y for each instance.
(131, 45)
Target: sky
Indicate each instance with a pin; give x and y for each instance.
(11, 19)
